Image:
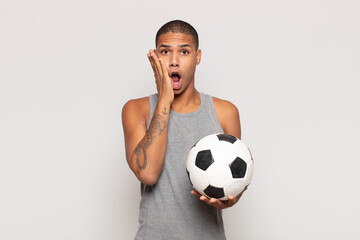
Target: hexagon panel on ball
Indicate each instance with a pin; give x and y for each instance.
(218, 174)
(198, 178)
(235, 187)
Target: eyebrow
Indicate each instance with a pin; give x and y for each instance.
(180, 46)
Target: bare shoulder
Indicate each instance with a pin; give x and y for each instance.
(137, 110)
(228, 116)
(224, 106)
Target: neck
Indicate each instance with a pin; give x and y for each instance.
(186, 102)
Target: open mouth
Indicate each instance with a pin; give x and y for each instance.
(175, 80)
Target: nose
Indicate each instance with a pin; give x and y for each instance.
(174, 61)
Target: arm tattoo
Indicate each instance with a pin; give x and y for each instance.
(164, 111)
(156, 128)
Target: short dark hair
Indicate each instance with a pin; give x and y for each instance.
(178, 26)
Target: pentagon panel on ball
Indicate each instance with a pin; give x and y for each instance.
(219, 165)
(238, 168)
(226, 137)
(204, 159)
(214, 192)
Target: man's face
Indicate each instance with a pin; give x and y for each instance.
(178, 52)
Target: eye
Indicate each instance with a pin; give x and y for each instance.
(184, 52)
(165, 52)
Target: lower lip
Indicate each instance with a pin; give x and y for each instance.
(176, 85)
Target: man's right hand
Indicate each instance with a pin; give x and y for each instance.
(163, 81)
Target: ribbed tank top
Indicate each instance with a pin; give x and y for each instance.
(167, 210)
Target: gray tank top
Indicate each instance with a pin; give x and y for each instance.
(167, 210)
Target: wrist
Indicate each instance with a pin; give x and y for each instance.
(165, 101)
(163, 106)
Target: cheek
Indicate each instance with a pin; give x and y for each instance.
(190, 69)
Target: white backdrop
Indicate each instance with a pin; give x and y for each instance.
(67, 67)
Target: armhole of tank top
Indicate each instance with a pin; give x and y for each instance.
(152, 104)
(214, 114)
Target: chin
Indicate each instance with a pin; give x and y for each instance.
(181, 90)
(177, 92)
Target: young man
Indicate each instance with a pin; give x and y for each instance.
(159, 132)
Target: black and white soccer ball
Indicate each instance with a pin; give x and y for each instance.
(220, 165)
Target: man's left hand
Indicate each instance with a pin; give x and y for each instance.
(218, 203)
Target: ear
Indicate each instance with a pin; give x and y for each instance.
(198, 56)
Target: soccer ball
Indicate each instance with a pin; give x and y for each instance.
(220, 165)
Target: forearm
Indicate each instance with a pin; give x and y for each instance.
(148, 158)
